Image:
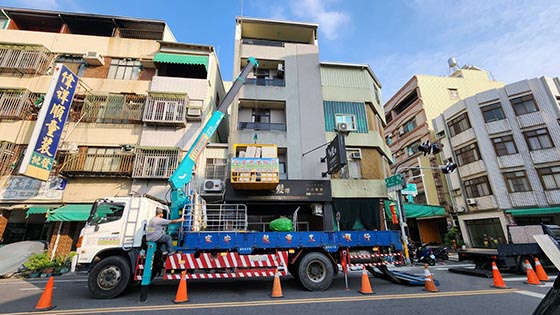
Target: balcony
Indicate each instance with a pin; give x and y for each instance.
(84, 164)
(155, 162)
(552, 196)
(523, 199)
(18, 105)
(166, 109)
(545, 155)
(10, 154)
(498, 126)
(24, 59)
(265, 82)
(511, 160)
(261, 126)
(475, 167)
(463, 137)
(113, 108)
(531, 119)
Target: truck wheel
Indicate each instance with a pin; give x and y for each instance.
(109, 277)
(315, 272)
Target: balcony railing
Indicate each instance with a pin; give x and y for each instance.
(261, 126)
(265, 82)
(262, 42)
(166, 109)
(18, 104)
(95, 165)
(113, 108)
(137, 33)
(10, 154)
(24, 59)
(155, 162)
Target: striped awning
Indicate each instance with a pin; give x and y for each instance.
(182, 59)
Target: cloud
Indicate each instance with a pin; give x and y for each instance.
(331, 22)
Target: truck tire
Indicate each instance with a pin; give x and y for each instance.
(109, 277)
(315, 272)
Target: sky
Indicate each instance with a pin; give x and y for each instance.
(512, 39)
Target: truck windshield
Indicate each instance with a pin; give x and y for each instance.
(104, 212)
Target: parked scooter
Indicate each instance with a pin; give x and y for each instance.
(425, 255)
(441, 253)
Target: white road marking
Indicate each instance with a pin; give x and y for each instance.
(529, 293)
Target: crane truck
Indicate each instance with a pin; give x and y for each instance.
(217, 240)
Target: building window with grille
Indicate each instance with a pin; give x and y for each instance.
(538, 139)
(123, 69)
(524, 105)
(504, 145)
(493, 112)
(216, 168)
(453, 94)
(413, 148)
(468, 154)
(517, 181)
(409, 125)
(459, 124)
(478, 187)
(349, 120)
(550, 177)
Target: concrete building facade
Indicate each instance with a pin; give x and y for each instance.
(409, 115)
(506, 142)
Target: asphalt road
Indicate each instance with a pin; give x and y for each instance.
(459, 294)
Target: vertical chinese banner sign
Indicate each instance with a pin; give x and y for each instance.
(39, 157)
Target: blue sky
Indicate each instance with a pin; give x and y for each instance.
(513, 39)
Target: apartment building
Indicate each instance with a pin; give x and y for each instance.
(352, 96)
(506, 142)
(409, 115)
(140, 98)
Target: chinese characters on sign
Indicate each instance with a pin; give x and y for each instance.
(43, 145)
(25, 188)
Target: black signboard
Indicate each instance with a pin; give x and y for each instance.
(336, 154)
(286, 191)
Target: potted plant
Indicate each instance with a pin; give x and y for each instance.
(39, 263)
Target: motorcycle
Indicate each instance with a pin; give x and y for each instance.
(441, 253)
(424, 254)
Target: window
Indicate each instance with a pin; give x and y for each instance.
(350, 120)
(453, 94)
(10, 156)
(504, 145)
(517, 181)
(216, 168)
(388, 139)
(412, 148)
(550, 177)
(261, 115)
(478, 187)
(353, 166)
(538, 139)
(524, 105)
(486, 232)
(409, 125)
(459, 124)
(106, 212)
(123, 69)
(76, 64)
(388, 118)
(492, 112)
(468, 154)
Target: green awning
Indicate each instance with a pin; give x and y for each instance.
(182, 59)
(38, 209)
(533, 211)
(77, 212)
(416, 211)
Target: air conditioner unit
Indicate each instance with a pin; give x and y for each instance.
(93, 58)
(356, 155)
(342, 127)
(213, 185)
(471, 202)
(401, 132)
(194, 113)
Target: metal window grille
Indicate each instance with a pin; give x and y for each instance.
(155, 163)
(17, 104)
(10, 154)
(24, 59)
(216, 168)
(166, 109)
(218, 217)
(112, 108)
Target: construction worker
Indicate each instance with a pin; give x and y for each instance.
(155, 232)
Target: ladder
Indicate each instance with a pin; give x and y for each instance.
(130, 228)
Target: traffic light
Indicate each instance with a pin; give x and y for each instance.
(428, 148)
(450, 167)
(394, 218)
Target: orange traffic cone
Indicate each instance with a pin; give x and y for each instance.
(429, 284)
(45, 302)
(541, 274)
(531, 276)
(276, 288)
(181, 296)
(498, 280)
(366, 286)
